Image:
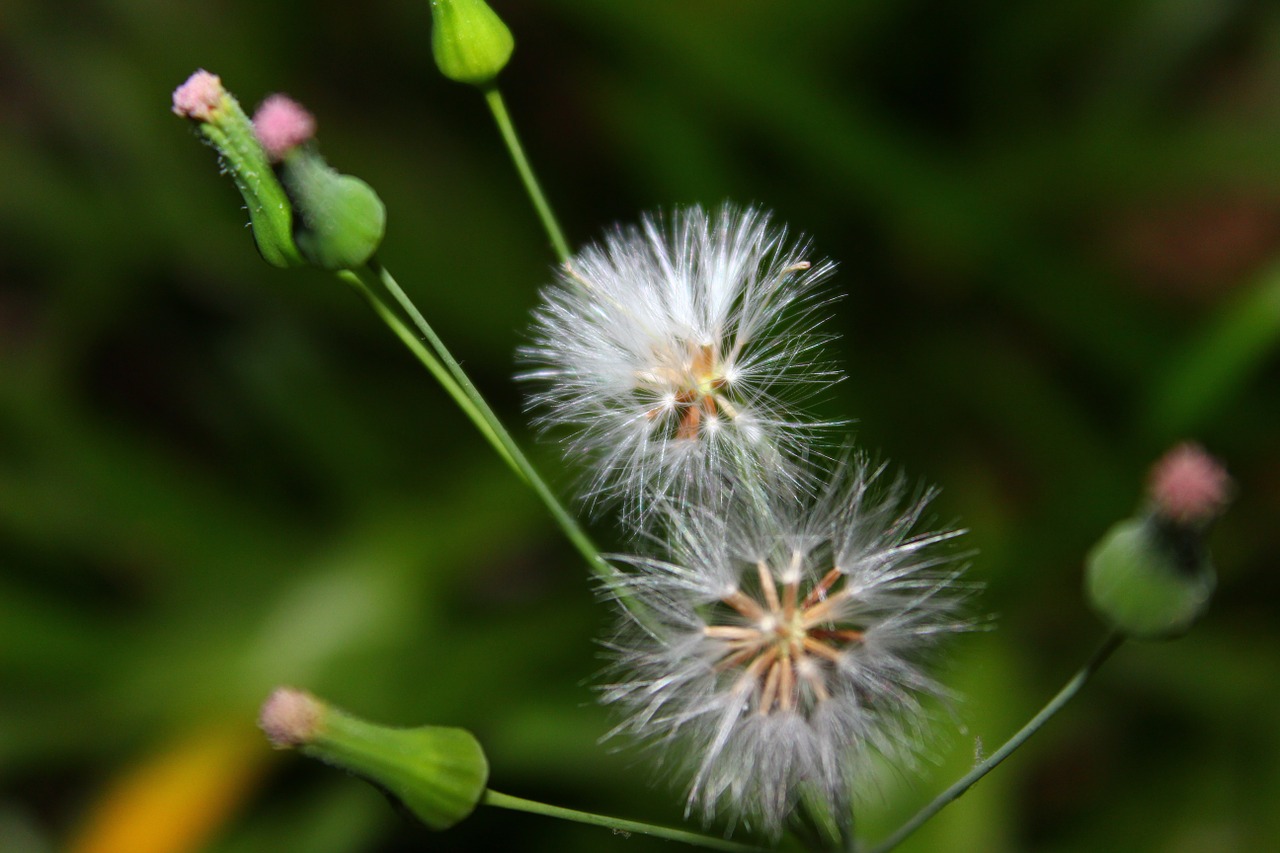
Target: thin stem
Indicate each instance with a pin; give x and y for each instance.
(446, 369)
(506, 801)
(432, 364)
(1069, 690)
(499, 109)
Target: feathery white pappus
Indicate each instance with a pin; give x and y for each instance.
(678, 353)
(782, 644)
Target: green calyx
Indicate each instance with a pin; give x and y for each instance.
(270, 214)
(438, 773)
(469, 41)
(1149, 578)
(340, 219)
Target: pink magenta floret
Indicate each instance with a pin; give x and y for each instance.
(199, 96)
(290, 717)
(282, 125)
(1189, 485)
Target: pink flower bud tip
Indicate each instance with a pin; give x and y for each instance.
(1188, 485)
(199, 96)
(282, 125)
(290, 717)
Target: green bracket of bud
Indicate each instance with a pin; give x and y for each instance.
(469, 41)
(340, 220)
(1149, 579)
(438, 773)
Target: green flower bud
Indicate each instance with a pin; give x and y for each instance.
(225, 126)
(469, 41)
(438, 773)
(1150, 577)
(339, 219)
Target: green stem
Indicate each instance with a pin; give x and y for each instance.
(506, 801)
(499, 109)
(432, 364)
(1072, 687)
(446, 369)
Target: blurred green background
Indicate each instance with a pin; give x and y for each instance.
(1058, 229)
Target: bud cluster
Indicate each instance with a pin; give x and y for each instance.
(302, 211)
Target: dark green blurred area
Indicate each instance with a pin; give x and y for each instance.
(1058, 229)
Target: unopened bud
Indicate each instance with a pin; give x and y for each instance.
(469, 41)
(225, 126)
(339, 219)
(1151, 576)
(438, 773)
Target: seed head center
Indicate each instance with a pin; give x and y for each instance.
(789, 647)
(690, 381)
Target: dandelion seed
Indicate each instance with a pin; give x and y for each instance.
(784, 644)
(679, 353)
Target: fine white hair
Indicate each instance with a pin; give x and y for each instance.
(869, 593)
(676, 356)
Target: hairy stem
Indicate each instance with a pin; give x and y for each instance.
(1069, 690)
(505, 801)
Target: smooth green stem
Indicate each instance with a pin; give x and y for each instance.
(446, 369)
(433, 364)
(506, 801)
(499, 109)
(1072, 687)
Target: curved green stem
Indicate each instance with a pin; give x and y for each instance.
(499, 109)
(449, 373)
(1069, 690)
(506, 801)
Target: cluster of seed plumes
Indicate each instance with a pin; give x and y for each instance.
(784, 645)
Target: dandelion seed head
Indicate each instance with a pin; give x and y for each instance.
(786, 643)
(677, 355)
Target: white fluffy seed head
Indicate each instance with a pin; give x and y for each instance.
(782, 645)
(676, 356)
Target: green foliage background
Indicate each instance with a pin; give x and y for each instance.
(1058, 229)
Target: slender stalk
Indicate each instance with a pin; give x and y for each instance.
(505, 801)
(442, 375)
(1069, 690)
(499, 109)
(446, 369)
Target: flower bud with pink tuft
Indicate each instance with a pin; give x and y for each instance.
(1151, 577)
(340, 219)
(223, 124)
(438, 773)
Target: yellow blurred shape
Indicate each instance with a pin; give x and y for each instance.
(175, 799)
